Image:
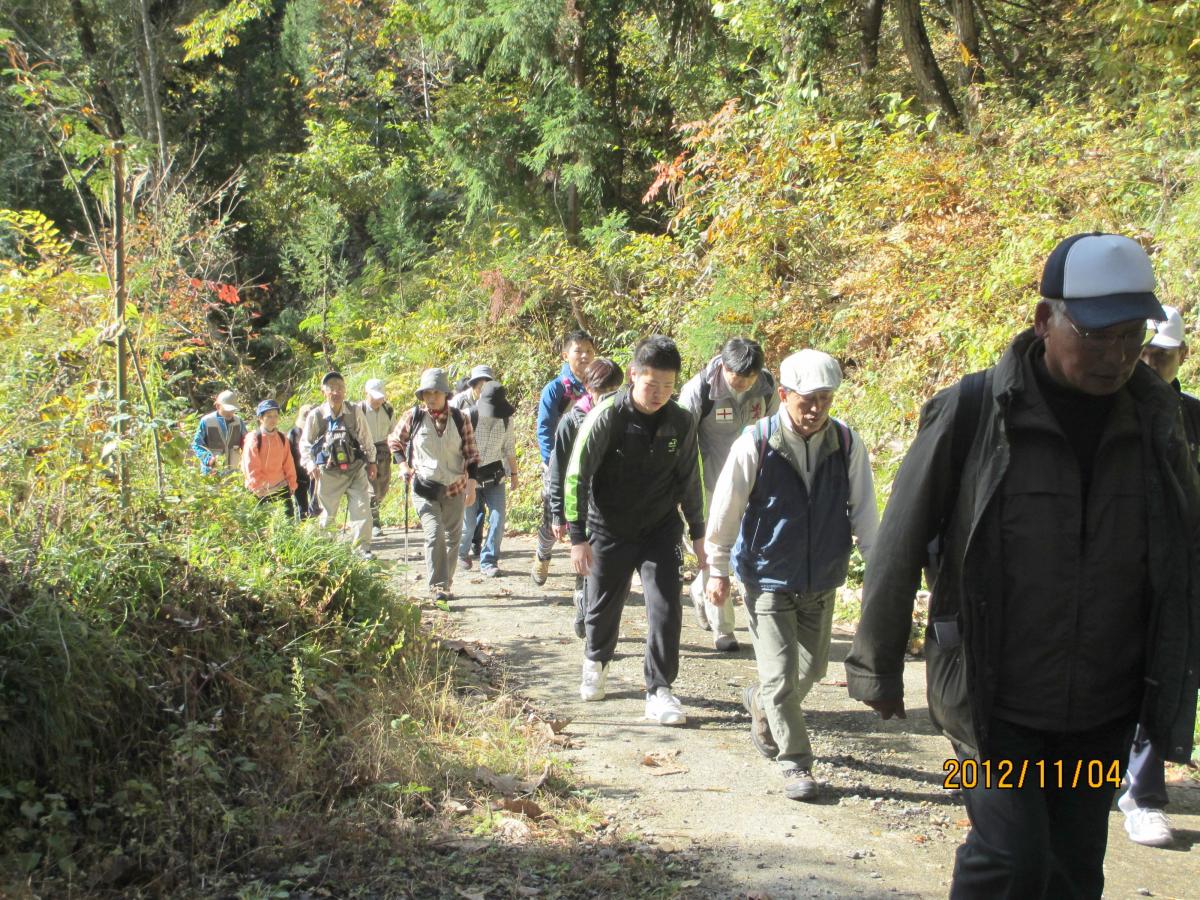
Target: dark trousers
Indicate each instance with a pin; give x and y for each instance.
(285, 497)
(1147, 780)
(1038, 841)
(658, 560)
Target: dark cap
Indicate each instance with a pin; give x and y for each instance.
(265, 407)
(329, 376)
(1105, 279)
(493, 402)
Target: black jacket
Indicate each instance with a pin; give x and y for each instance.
(961, 671)
(624, 483)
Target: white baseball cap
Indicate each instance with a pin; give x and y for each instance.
(1170, 333)
(227, 400)
(375, 390)
(810, 370)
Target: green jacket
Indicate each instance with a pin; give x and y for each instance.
(961, 678)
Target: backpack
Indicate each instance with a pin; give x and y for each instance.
(337, 448)
(258, 439)
(707, 402)
(972, 390)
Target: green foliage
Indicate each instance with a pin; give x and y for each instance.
(214, 31)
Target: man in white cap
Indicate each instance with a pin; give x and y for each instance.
(380, 417)
(219, 437)
(336, 450)
(796, 489)
(1146, 797)
(1060, 493)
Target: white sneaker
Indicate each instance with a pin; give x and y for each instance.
(726, 643)
(663, 707)
(697, 591)
(376, 531)
(591, 685)
(1149, 827)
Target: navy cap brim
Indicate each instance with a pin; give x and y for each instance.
(1094, 313)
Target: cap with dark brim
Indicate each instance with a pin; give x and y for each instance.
(329, 376)
(1092, 313)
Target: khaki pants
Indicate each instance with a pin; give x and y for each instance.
(331, 487)
(382, 480)
(791, 634)
(442, 523)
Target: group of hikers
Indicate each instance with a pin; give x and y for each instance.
(1052, 503)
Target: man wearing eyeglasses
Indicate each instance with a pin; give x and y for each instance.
(1065, 609)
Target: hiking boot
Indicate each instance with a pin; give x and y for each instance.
(489, 571)
(580, 614)
(1148, 827)
(663, 707)
(591, 684)
(376, 531)
(540, 571)
(726, 643)
(464, 563)
(697, 592)
(760, 728)
(440, 596)
(799, 784)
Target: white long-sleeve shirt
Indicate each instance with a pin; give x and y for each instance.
(732, 492)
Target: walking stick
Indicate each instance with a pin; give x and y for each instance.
(406, 520)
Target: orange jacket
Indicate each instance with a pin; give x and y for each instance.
(267, 462)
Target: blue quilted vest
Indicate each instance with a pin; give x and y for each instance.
(791, 541)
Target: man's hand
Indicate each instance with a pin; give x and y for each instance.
(581, 558)
(469, 492)
(701, 556)
(372, 471)
(888, 708)
(560, 531)
(405, 471)
(717, 590)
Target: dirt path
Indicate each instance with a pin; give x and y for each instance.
(884, 827)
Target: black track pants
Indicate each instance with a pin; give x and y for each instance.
(657, 558)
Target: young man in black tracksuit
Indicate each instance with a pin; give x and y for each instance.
(632, 467)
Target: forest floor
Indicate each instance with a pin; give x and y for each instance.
(713, 812)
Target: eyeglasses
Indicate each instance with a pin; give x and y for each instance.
(1130, 342)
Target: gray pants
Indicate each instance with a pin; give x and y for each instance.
(791, 634)
(331, 487)
(545, 536)
(442, 523)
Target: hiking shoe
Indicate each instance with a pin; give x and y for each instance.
(663, 707)
(697, 592)
(1148, 827)
(464, 563)
(441, 596)
(591, 684)
(376, 531)
(580, 615)
(364, 553)
(726, 643)
(489, 571)
(760, 728)
(799, 784)
(540, 570)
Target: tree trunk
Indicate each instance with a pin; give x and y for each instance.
(999, 51)
(578, 79)
(150, 87)
(870, 19)
(930, 82)
(104, 98)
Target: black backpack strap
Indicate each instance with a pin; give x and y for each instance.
(418, 416)
(971, 392)
(706, 401)
(457, 415)
(474, 419)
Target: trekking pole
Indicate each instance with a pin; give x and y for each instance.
(406, 520)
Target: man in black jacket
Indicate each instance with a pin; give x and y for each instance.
(1065, 604)
(633, 465)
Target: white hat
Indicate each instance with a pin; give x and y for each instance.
(227, 400)
(374, 389)
(810, 370)
(1168, 334)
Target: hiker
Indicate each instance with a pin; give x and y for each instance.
(267, 465)
(306, 488)
(633, 465)
(1146, 797)
(731, 392)
(219, 437)
(441, 460)
(466, 398)
(1058, 493)
(494, 437)
(380, 418)
(337, 451)
(603, 377)
(557, 397)
(795, 490)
